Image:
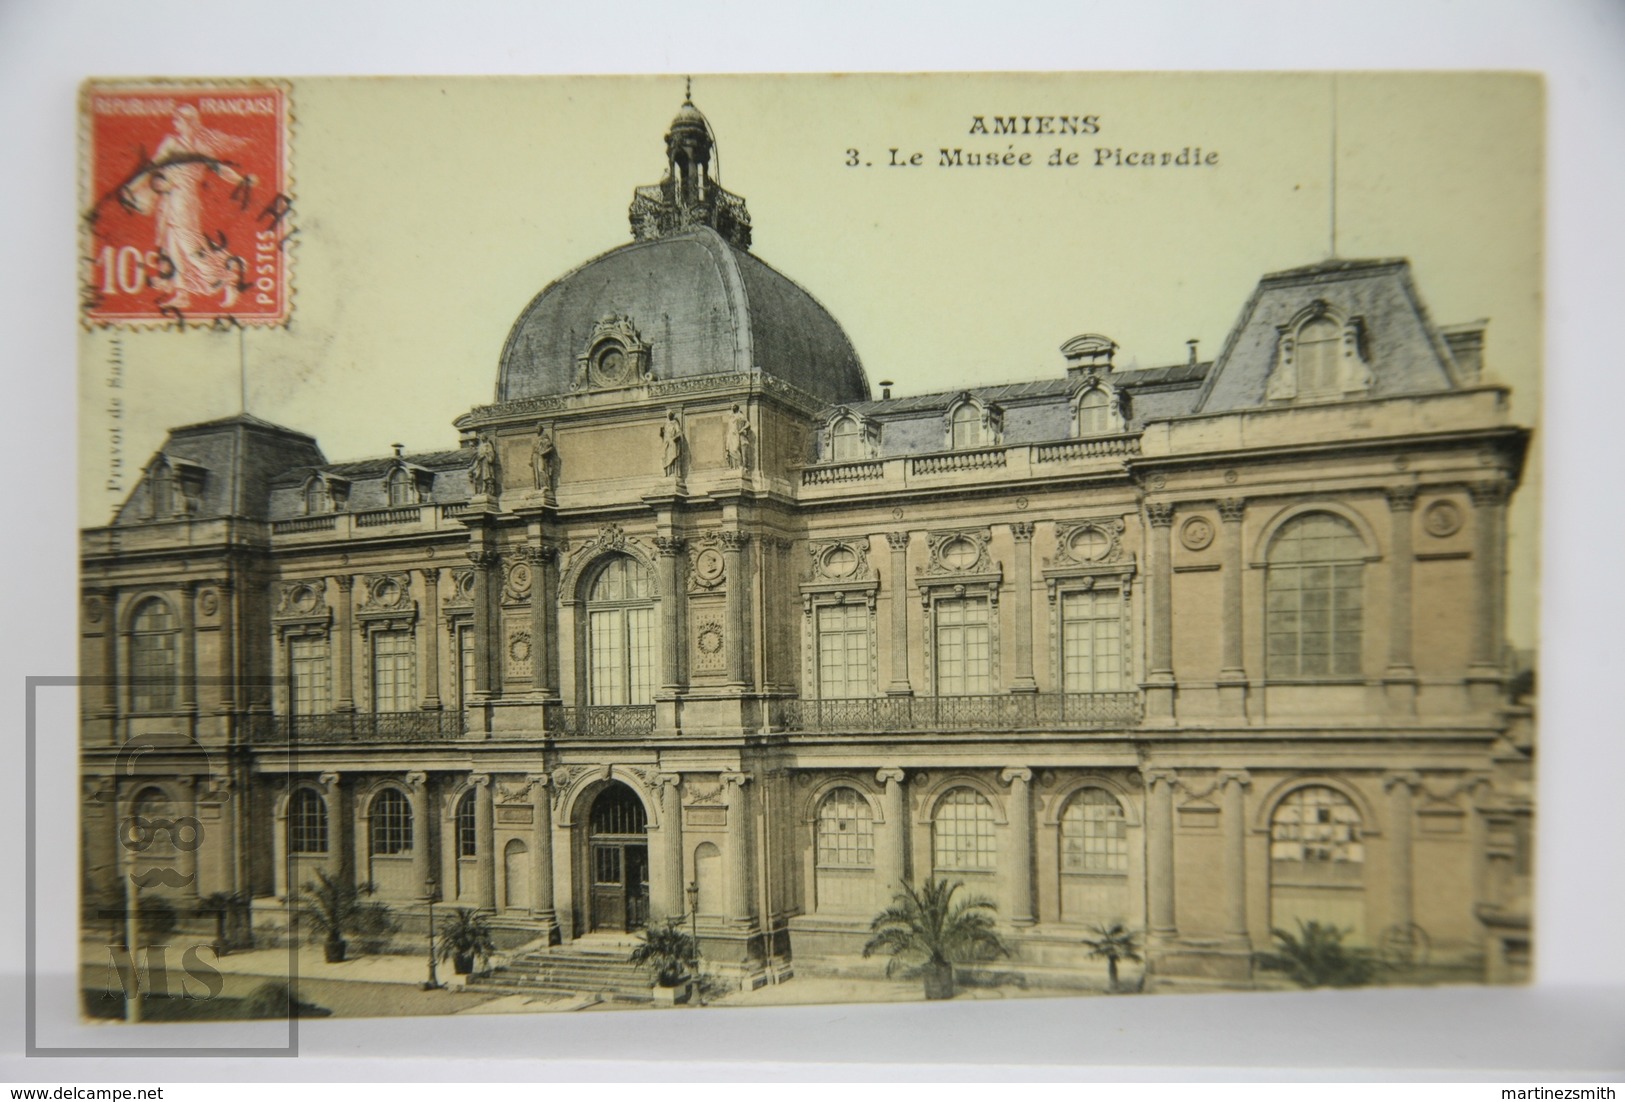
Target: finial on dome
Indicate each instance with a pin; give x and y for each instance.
(690, 195)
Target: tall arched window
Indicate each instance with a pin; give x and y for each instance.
(966, 427)
(467, 833)
(154, 643)
(316, 497)
(391, 823)
(962, 835)
(846, 831)
(620, 630)
(1094, 835)
(1317, 861)
(846, 440)
(1315, 594)
(307, 822)
(1318, 350)
(401, 491)
(1094, 418)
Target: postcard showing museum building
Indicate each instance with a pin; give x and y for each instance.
(1056, 534)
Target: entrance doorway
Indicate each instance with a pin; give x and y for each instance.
(618, 861)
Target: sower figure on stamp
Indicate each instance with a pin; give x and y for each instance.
(671, 436)
(736, 441)
(171, 188)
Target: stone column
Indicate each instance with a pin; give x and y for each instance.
(429, 638)
(671, 901)
(898, 585)
(1232, 662)
(485, 629)
(417, 791)
(541, 892)
(335, 826)
(738, 842)
(892, 843)
(1159, 696)
(1489, 544)
(1159, 870)
(1233, 784)
(1022, 532)
(541, 634)
(188, 655)
(1400, 680)
(344, 695)
(227, 650)
(1401, 891)
(485, 845)
(1019, 905)
(671, 611)
(363, 837)
(279, 845)
(108, 599)
(736, 608)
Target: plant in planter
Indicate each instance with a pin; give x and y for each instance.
(233, 924)
(668, 951)
(927, 933)
(1317, 957)
(334, 909)
(465, 938)
(1113, 943)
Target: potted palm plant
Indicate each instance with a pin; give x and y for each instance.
(333, 910)
(465, 938)
(926, 933)
(1317, 957)
(232, 924)
(1113, 943)
(668, 951)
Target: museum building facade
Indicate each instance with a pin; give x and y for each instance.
(692, 624)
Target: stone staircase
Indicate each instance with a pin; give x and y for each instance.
(595, 968)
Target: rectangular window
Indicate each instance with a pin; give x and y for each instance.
(393, 672)
(964, 646)
(640, 655)
(309, 677)
(1315, 620)
(1091, 641)
(465, 665)
(607, 630)
(843, 652)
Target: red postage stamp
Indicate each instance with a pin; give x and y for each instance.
(187, 206)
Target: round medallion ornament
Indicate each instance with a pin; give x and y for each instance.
(1196, 533)
(519, 580)
(1088, 544)
(386, 592)
(708, 566)
(1230, 477)
(208, 602)
(93, 609)
(610, 366)
(897, 514)
(959, 554)
(1158, 481)
(1441, 519)
(304, 599)
(1021, 503)
(840, 561)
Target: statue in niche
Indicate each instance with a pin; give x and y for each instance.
(543, 459)
(738, 439)
(672, 445)
(482, 476)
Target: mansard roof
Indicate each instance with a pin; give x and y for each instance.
(239, 457)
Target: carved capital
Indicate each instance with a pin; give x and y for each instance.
(1166, 777)
(1016, 775)
(1411, 779)
(1231, 509)
(1401, 499)
(670, 547)
(1160, 513)
(733, 778)
(889, 776)
(669, 780)
(1489, 493)
(329, 782)
(1233, 776)
(1022, 531)
(431, 576)
(480, 780)
(346, 583)
(733, 541)
(897, 541)
(416, 780)
(484, 559)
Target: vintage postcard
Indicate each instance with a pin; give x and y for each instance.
(639, 542)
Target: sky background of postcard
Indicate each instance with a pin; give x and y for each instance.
(429, 212)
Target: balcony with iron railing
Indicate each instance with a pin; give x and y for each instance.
(948, 714)
(351, 727)
(604, 721)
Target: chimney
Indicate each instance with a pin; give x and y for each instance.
(1192, 344)
(885, 390)
(1466, 343)
(399, 449)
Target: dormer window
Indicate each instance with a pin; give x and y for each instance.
(161, 480)
(848, 437)
(402, 491)
(316, 497)
(967, 428)
(846, 440)
(972, 424)
(1319, 356)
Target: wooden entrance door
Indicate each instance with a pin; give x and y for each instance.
(618, 861)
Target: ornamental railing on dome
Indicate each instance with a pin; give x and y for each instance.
(610, 720)
(340, 727)
(947, 714)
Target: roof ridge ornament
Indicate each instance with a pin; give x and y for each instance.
(689, 196)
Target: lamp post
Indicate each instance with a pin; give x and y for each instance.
(694, 937)
(431, 892)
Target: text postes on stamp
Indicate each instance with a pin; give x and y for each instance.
(187, 205)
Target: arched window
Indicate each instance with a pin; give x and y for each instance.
(1317, 861)
(1094, 413)
(153, 646)
(962, 832)
(1094, 834)
(846, 831)
(391, 823)
(620, 630)
(150, 831)
(161, 485)
(401, 490)
(966, 427)
(316, 497)
(1315, 595)
(846, 440)
(467, 835)
(1317, 352)
(307, 822)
